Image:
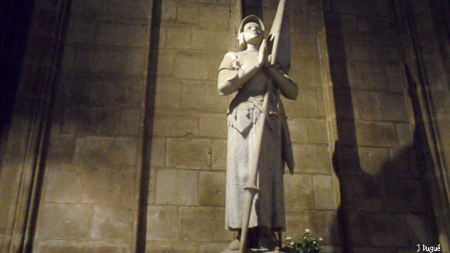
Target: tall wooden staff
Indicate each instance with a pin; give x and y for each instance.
(251, 188)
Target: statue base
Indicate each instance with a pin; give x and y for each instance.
(264, 241)
(251, 251)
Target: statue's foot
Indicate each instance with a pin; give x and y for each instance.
(236, 250)
(265, 250)
(233, 247)
(268, 240)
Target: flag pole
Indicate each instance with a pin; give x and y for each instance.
(251, 188)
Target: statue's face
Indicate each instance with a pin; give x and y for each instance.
(253, 33)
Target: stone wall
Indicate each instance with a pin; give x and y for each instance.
(124, 104)
(89, 198)
(188, 143)
(33, 32)
(130, 154)
(424, 30)
(386, 203)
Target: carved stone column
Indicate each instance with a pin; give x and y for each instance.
(22, 169)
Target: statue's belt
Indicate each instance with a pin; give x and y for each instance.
(257, 102)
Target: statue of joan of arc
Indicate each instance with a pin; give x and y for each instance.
(250, 74)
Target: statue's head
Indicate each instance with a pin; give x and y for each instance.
(251, 30)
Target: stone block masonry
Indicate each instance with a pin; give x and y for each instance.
(118, 137)
(189, 131)
(90, 191)
(377, 151)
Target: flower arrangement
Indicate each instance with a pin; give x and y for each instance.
(306, 244)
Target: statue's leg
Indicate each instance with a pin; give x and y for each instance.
(280, 238)
(253, 237)
(267, 239)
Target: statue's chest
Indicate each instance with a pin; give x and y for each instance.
(247, 59)
(259, 80)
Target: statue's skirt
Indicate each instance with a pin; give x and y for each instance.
(268, 206)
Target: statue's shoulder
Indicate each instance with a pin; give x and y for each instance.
(228, 60)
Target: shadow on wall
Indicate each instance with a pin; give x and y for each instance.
(15, 18)
(384, 193)
(150, 95)
(385, 207)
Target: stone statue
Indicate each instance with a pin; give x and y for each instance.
(250, 74)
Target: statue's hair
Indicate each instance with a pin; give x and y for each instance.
(240, 38)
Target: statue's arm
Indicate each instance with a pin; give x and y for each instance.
(287, 87)
(230, 79)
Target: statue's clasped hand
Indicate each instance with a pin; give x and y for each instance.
(263, 57)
